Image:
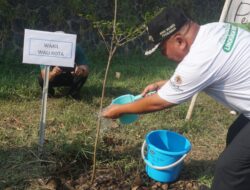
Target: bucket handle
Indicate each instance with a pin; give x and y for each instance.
(159, 167)
(137, 97)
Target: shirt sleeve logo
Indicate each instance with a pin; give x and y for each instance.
(175, 83)
(178, 79)
(230, 39)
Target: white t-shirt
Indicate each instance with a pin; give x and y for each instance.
(219, 64)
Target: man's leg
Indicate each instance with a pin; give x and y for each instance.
(76, 85)
(64, 79)
(235, 128)
(232, 170)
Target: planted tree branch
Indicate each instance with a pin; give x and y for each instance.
(116, 41)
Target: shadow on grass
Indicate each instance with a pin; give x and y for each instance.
(199, 169)
(21, 166)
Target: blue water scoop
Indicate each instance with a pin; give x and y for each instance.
(125, 99)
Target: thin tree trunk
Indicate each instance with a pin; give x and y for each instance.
(113, 48)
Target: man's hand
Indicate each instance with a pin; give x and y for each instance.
(52, 74)
(149, 88)
(111, 111)
(153, 87)
(56, 71)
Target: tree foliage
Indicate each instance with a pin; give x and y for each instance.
(55, 15)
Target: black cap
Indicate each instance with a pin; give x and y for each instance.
(165, 24)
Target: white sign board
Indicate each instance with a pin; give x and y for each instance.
(49, 48)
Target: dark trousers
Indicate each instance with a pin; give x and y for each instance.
(232, 170)
(65, 79)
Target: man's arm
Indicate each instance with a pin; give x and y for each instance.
(52, 74)
(147, 104)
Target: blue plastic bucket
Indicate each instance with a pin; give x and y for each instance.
(125, 99)
(166, 151)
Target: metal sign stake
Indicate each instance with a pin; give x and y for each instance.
(43, 110)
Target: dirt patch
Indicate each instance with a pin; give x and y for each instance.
(112, 179)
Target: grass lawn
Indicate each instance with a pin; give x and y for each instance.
(71, 128)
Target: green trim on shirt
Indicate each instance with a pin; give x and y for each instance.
(231, 36)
